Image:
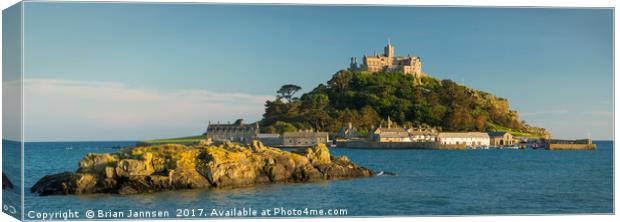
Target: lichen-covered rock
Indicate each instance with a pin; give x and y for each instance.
(187, 179)
(317, 155)
(96, 163)
(131, 167)
(110, 172)
(204, 165)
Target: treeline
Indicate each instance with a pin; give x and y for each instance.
(367, 99)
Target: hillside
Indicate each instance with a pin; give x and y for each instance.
(367, 99)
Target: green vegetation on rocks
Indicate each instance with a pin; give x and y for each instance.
(366, 99)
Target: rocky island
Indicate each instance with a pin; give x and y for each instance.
(172, 166)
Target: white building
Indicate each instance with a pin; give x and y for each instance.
(422, 134)
(472, 139)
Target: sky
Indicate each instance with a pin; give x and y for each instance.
(114, 71)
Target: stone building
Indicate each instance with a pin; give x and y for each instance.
(236, 132)
(270, 139)
(471, 139)
(305, 138)
(390, 135)
(501, 139)
(420, 134)
(389, 62)
(348, 132)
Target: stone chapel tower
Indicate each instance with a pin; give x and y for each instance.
(388, 51)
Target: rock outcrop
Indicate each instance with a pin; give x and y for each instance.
(172, 166)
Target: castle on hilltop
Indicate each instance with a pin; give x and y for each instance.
(411, 65)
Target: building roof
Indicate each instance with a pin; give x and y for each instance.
(463, 135)
(348, 132)
(422, 133)
(237, 127)
(212, 129)
(418, 131)
(268, 135)
(497, 134)
(305, 134)
(390, 130)
(394, 135)
(406, 57)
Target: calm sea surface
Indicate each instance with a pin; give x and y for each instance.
(429, 182)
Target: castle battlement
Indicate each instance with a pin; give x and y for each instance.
(388, 62)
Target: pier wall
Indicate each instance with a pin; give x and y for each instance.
(560, 146)
(399, 145)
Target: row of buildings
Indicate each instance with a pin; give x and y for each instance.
(245, 133)
(420, 134)
(471, 139)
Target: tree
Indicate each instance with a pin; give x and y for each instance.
(278, 110)
(481, 122)
(315, 106)
(283, 127)
(343, 117)
(368, 118)
(287, 91)
(459, 119)
(364, 99)
(340, 83)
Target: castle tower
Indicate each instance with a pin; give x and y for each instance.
(388, 51)
(354, 65)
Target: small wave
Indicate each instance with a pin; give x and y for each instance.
(385, 173)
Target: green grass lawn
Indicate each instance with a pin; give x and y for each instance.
(181, 140)
(513, 132)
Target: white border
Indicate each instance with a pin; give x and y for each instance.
(21, 104)
(519, 3)
(494, 3)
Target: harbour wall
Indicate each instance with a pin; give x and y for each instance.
(399, 145)
(583, 144)
(560, 146)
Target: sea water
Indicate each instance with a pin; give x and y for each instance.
(428, 182)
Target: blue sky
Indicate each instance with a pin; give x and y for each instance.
(554, 65)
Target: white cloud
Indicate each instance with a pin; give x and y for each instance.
(11, 109)
(82, 110)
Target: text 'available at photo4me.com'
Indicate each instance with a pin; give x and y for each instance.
(185, 213)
